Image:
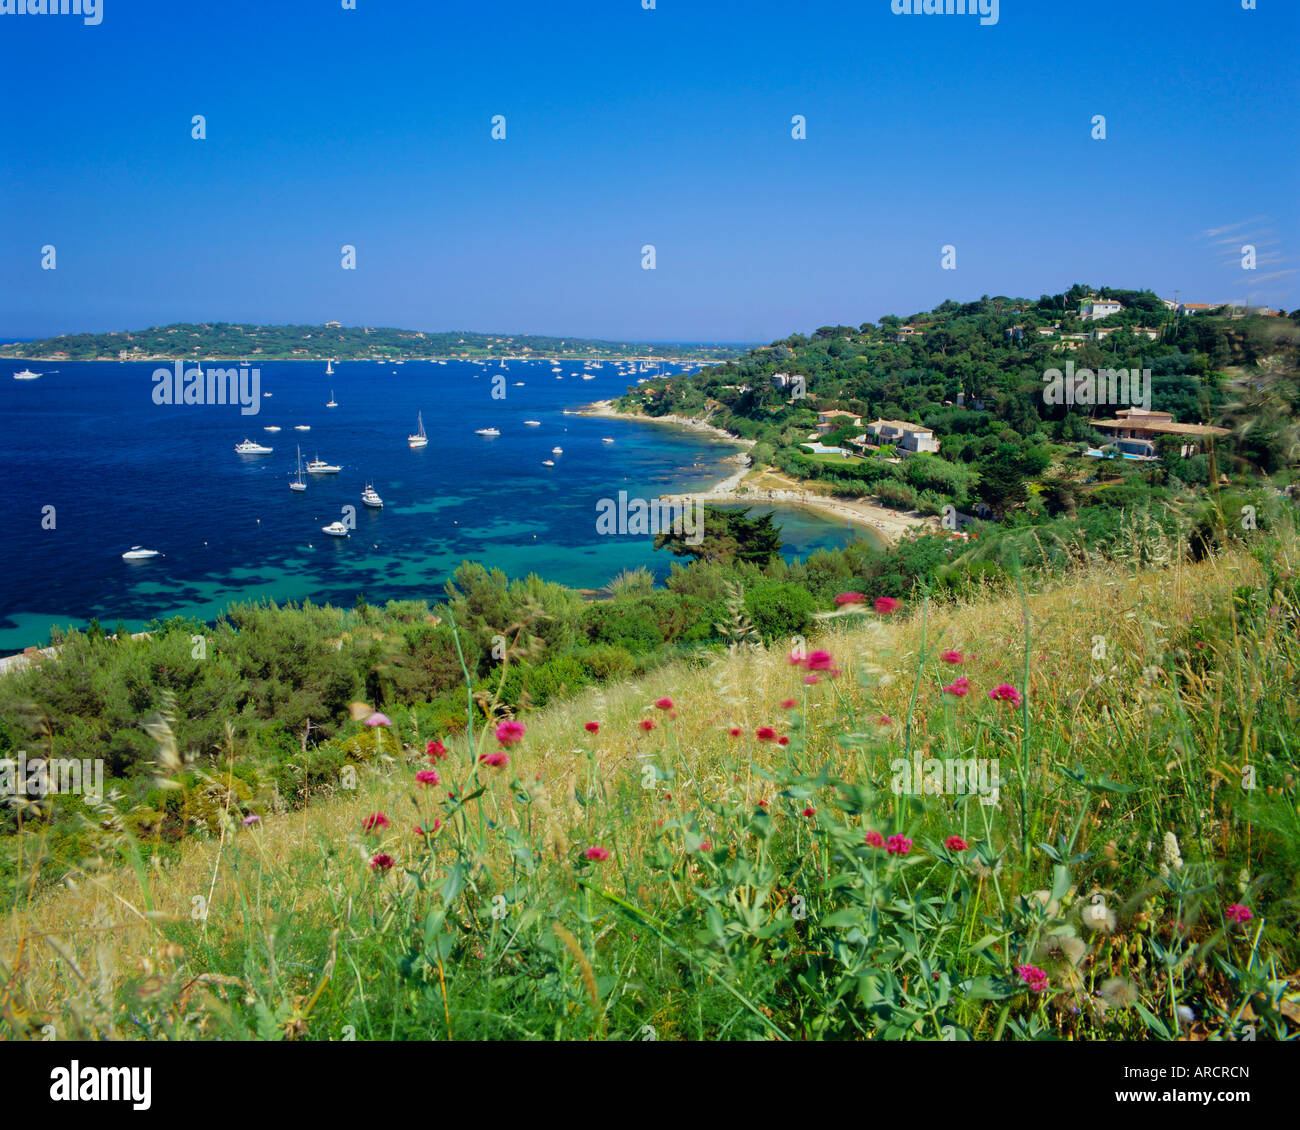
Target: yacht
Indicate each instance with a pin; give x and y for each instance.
(606, 439)
(318, 466)
(371, 499)
(419, 439)
(331, 403)
(548, 462)
(302, 427)
(335, 529)
(588, 376)
(138, 553)
(533, 423)
(486, 432)
(299, 483)
(248, 447)
(26, 375)
(557, 451)
(271, 428)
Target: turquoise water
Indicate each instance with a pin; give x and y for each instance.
(120, 470)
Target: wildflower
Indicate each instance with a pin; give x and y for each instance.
(1238, 913)
(1097, 916)
(812, 680)
(788, 704)
(959, 688)
(953, 657)
(810, 811)
(849, 598)
(427, 777)
(1033, 977)
(592, 727)
(375, 822)
(735, 731)
(885, 605)
(251, 819)
(1005, 692)
(782, 740)
(884, 720)
(509, 733)
(381, 862)
(1171, 857)
(874, 839)
(377, 719)
(426, 829)
(765, 734)
(898, 845)
(598, 854)
(435, 751)
(955, 843)
(647, 724)
(664, 703)
(795, 658)
(819, 661)
(706, 846)
(497, 758)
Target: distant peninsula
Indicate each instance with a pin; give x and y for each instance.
(218, 341)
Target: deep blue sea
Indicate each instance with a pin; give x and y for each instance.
(120, 470)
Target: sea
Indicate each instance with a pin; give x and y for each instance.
(93, 466)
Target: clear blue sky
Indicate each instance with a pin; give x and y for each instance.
(626, 127)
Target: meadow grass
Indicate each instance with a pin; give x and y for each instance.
(1134, 876)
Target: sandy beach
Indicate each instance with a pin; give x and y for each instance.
(890, 525)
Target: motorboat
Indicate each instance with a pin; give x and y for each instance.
(139, 553)
(606, 439)
(318, 466)
(486, 432)
(419, 439)
(548, 462)
(248, 447)
(302, 427)
(335, 530)
(557, 451)
(371, 499)
(26, 375)
(271, 428)
(533, 423)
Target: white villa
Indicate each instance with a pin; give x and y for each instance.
(905, 436)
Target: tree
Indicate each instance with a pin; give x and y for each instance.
(728, 536)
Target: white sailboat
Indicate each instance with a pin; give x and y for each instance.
(419, 439)
(329, 372)
(299, 483)
(331, 403)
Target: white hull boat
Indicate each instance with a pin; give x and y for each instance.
(139, 553)
(248, 447)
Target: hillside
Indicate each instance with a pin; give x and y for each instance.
(725, 857)
(216, 341)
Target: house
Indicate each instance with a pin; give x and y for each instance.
(836, 418)
(905, 436)
(1097, 308)
(1197, 308)
(908, 333)
(1135, 430)
(1015, 333)
(333, 325)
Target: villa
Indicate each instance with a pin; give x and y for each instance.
(1098, 308)
(835, 418)
(906, 437)
(1135, 430)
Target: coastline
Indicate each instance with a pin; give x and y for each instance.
(890, 525)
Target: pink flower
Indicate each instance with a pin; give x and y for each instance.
(381, 862)
(598, 854)
(874, 839)
(782, 740)
(819, 661)
(377, 719)
(251, 819)
(812, 680)
(1006, 693)
(849, 598)
(375, 822)
(885, 605)
(898, 845)
(426, 829)
(1033, 977)
(788, 704)
(735, 731)
(960, 687)
(435, 751)
(497, 758)
(809, 811)
(509, 733)
(795, 658)
(955, 843)
(664, 703)
(592, 727)
(765, 734)
(706, 846)
(952, 657)
(647, 724)
(427, 777)
(1238, 913)
(884, 720)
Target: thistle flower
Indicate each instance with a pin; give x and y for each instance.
(377, 719)
(251, 819)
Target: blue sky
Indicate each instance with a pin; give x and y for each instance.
(627, 127)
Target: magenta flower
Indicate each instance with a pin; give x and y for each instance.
(428, 829)
(592, 727)
(251, 819)
(885, 605)
(788, 704)
(955, 843)
(796, 658)
(664, 703)
(959, 687)
(375, 822)
(497, 758)
(509, 733)
(427, 777)
(874, 839)
(735, 731)
(898, 845)
(1033, 977)
(849, 598)
(381, 862)
(377, 719)
(1006, 693)
(819, 661)
(1238, 913)
(435, 751)
(952, 657)
(598, 854)
(765, 734)
(810, 811)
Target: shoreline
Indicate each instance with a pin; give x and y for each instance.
(890, 525)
